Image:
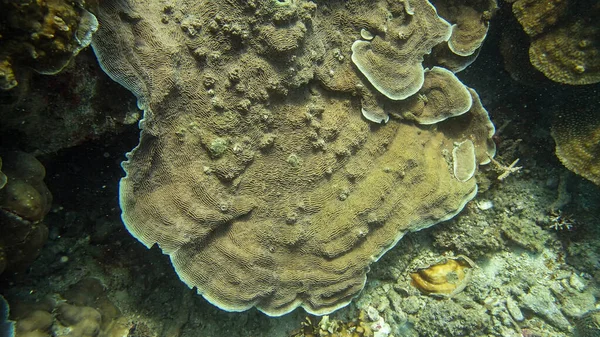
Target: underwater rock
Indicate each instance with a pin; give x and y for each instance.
(77, 110)
(539, 300)
(301, 194)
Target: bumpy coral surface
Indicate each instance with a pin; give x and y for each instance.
(564, 38)
(266, 187)
(24, 201)
(577, 137)
(82, 311)
(392, 61)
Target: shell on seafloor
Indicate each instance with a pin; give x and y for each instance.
(444, 279)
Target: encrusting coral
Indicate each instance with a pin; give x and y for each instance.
(256, 172)
(392, 62)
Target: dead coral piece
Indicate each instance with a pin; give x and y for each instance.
(444, 279)
(588, 325)
(564, 39)
(577, 137)
(306, 193)
(505, 170)
(392, 63)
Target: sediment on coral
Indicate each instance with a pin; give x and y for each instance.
(577, 137)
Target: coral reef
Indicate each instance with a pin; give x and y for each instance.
(83, 311)
(577, 137)
(532, 229)
(442, 96)
(42, 35)
(470, 23)
(564, 38)
(392, 61)
(265, 188)
(24, 201)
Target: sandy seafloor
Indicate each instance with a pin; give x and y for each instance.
(529, 262)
